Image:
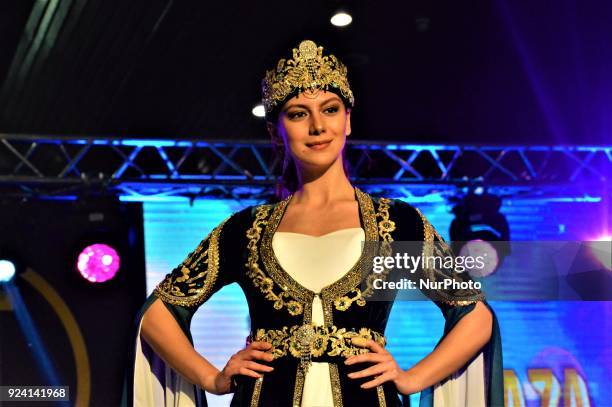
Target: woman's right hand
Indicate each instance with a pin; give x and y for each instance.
(243, 363)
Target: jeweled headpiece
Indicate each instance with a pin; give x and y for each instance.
(308, 70)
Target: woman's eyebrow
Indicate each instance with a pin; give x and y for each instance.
(333, 99)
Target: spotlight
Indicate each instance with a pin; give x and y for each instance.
(7, 270)
(477, 224)
(601, 249)
(259, 111)
(341, 19)
(98, 263)
(485, 250)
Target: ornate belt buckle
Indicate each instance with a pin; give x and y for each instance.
(305, 335)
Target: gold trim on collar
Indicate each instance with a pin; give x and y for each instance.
(385, 226)
(277, 276)
(276, 272)
(259, 278)
(337, 293)
(341, 293)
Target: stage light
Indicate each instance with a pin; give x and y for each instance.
(341, 19)
(259, 111)
(7, 270)
(480, 227)
(485, 250)
(601, 249)
(98, 263)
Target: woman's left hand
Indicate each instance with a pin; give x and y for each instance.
(385, 369)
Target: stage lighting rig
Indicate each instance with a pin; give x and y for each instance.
(479, 228)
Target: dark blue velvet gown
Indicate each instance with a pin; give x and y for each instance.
(239, 251)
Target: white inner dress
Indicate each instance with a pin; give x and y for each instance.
(316, 262)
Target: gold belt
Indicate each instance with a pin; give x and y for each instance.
(307, 341)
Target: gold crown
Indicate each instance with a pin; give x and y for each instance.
(308, 70)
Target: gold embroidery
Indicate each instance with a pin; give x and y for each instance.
(259, 278)
(339, 293)
(335, 384)
(381, 396)
(432, 247)
(459, 303)
(299, 388)
(307, 319)
(307, 70)
(328, 294)
(256, 392)
(328, 340)
(278, 275)
(385, 227)
(181, 289)
(300, 375)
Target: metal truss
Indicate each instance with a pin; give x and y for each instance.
(139, 169)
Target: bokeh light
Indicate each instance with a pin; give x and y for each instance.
(259, 111)
(341, 19)
(7, 270)
(98, 263)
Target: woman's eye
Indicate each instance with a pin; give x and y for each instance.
(332, 109)
(295, 115)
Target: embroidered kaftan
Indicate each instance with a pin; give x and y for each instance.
(240, 250)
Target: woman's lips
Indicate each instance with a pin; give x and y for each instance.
(319, 145)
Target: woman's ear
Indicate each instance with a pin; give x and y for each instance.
(347, 127)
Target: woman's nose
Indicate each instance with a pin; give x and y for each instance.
(316, 124)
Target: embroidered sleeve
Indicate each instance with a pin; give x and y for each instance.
(193, 281)
(444, 284)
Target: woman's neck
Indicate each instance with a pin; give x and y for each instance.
(332, 185)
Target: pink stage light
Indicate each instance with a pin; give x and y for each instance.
(98, 263)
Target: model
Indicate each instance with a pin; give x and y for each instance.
(316, 338)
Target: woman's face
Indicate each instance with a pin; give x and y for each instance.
(313, 128)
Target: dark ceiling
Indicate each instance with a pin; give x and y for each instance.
(422, 71)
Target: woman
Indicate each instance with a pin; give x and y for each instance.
(315, 339)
